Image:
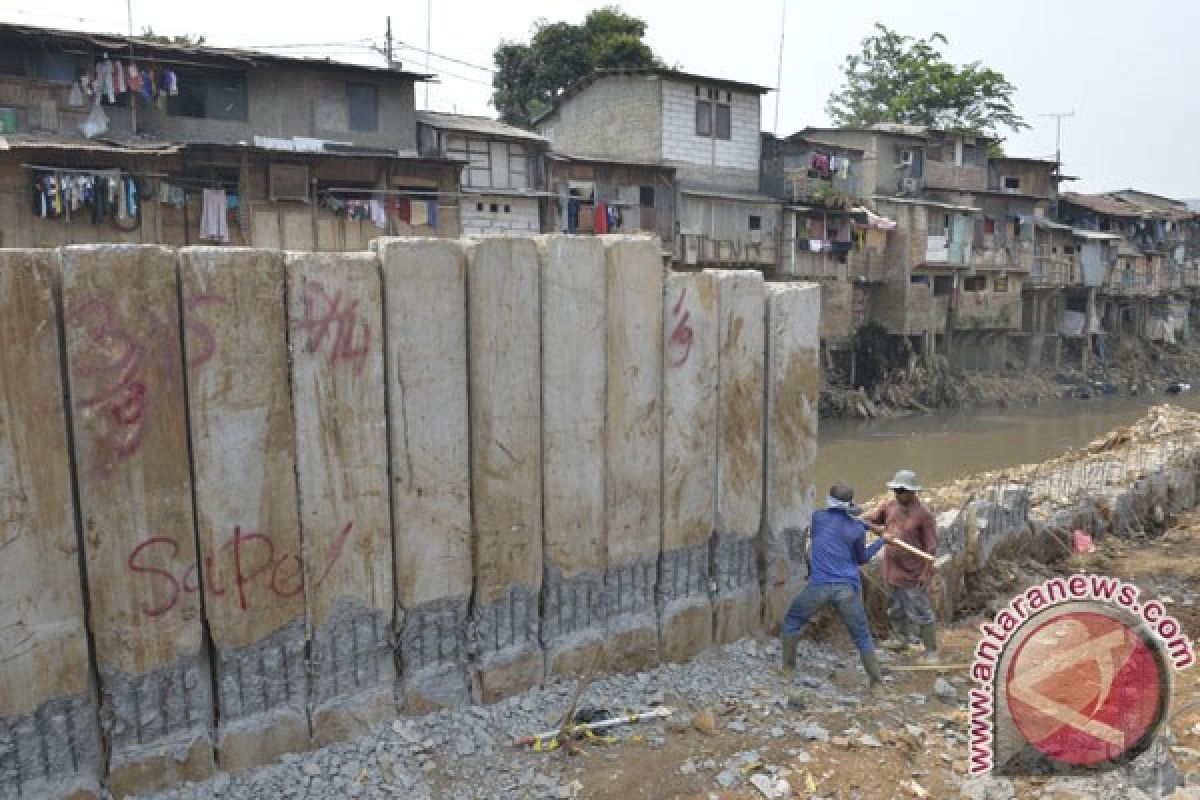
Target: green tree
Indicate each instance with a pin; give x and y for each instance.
(186, 40)
(907, 80)
(529, 76)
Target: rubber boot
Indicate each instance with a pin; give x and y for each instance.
(898, 640)
(929, 638)
(870, 663)
(788, 641)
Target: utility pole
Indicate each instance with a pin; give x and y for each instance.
(428, 28)
(1058, 118)
(132, 100)
(388, 44)
(779, 73)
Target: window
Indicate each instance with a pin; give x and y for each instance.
(755, 222)
(714, 116)
(943, 285)
(1000, 284)
(507, 208)
(1012, 183)
(58, 67)
(1068, 249)
(209, 95)
(703, 118)
(493, 208)
(724, 126)
(975, 283)
(479, 206)
(989, 226)
(646, 196)
(362, 106)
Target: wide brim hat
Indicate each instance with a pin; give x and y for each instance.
(905, 479)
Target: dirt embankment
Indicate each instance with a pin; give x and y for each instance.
(1132, 366)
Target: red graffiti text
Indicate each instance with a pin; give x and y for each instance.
(255, 561)
(341, 319)
(680, 343)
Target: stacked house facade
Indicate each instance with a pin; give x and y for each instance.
(951, 249)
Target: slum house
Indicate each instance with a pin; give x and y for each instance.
(110, 138)
(889, 183)
(1146, 291)
(503, 185)
(706, 129)
(952, 281)
(598, 196)
(830, 235)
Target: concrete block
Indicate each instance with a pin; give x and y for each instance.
(633, 451)
(335, 314)
(248, 532)
(49, 736)
(506, 460)
(790, 447)
(425, 290)
(125, 371)
(574, 332)
(689, 462)
(741, 349)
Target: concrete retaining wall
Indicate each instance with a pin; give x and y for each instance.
(302, 492)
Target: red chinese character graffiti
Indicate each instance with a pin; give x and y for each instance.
(682, 334)
(341, 320)
(205, 344)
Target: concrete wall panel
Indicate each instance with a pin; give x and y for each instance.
(125, 370)
(506, 460)
(741, 354)
(335, 312)
(793, 385)
(689, 462)
(633, 458)
(49, 737)
(248, 530)
(574, 342)
(425, 286)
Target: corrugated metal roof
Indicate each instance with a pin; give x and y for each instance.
(1083, 233)
(560, 156)
(119, 43)
(472, 124)
(1102, 204)
(26, 141)
(739, 197)
(918, 201)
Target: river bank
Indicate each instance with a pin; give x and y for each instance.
(1132, 367)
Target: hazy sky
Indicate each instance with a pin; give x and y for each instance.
(1127, 69)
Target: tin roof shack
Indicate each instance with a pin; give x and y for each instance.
(641, 197)
(828, 232)
(1152, 260)
(274, 134)
(706, 128)
(893, 156)
(503, 185)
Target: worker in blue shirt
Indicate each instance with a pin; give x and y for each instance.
(837, 549)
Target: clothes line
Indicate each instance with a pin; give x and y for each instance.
(94, 171)
(397, 192)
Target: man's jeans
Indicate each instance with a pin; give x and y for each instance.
(844, 598)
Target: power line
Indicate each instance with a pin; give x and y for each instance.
(446, 58)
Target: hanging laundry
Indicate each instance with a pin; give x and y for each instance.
(134, 80)
(844, 169)
(613, 218)
(214, 225)
(572, 215)
(378, 213)
(75, 96)
(131, 197)
(119, 77)
(420, 213)
(172, 82)
(145, 86)
(404, 209)
(432, 213)
(601, 218)
(105, 83)
(815, 245)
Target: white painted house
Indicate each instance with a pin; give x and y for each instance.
(707, 129)
(502, 181)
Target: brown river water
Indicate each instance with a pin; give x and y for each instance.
(945, 447)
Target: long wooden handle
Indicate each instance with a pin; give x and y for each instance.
(915, 551)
